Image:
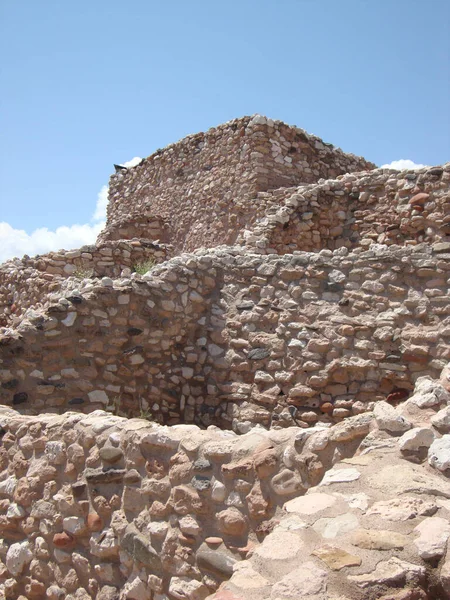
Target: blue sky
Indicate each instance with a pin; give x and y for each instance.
(87, 84)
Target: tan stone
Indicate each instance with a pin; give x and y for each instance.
(378, 539)
(336, 558)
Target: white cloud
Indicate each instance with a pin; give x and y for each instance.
(133, 162)
(102, 203)
(17, 242)
(404, 164)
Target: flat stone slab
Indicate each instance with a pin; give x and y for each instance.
(332, 528)
(309, 504)
(336, 558)
(378, 539)
(340, 476)
(402, 509)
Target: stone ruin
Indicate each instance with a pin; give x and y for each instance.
(241, 391)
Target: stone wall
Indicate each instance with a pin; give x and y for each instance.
(358, 209)
(203, 188)
(234, 339)
(105, 508)
(90, 505)
(28, 281)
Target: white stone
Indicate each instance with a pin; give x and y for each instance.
(340, 476)
(184, 588)
(135, 589)
(15, 511)
(70, 319)
(37, 374)
(187, 372)
(336, 276)
(8, 486)
(189, 525)
(390, 572)
(75, 525)
(98, 396)
(104, 544)
(433, 535)
(439, 453)
(158, 528)
(309, 504)
(307, 581)
(107, 282)
(429, 393)
(441, 420)
(55, 452)
(359, 501)
(331, 528)
(388, 419)
(218, 492)
(17, 557)
(136, 359)
(416, 438)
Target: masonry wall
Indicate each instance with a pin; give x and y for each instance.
(355, 210)
(97, 506)
(28, 282)
(203, 188)
(230, 338)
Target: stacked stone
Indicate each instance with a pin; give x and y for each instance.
(28, 281)
(357, 209)
(229, 338)
(376, 526)
(204, 188)
(93, 505)
(104, 502)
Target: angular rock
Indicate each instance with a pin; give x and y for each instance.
(439, 453)
(19, 555)
(389, 420)
(433, 535)
(415, 439)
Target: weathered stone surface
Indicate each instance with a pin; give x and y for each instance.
(104, 475)
(310, 504)
(306, 581)
(216, 562)
(439, 453)
(330, 528)
(339, 475)
(389, 420)
(393, 572)
(403, 508)
(18, 556)
(415, 439)
(183, 588)
(378, 539)
(336, 558)
(433, 534)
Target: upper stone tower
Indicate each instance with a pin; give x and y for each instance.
(203, 190)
